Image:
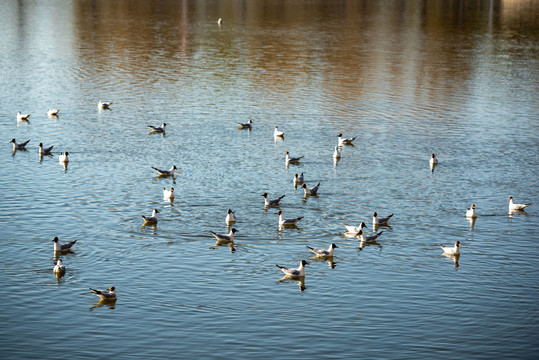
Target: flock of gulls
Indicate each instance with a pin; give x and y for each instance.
(290, 273)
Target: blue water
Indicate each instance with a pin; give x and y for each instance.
(408, 79)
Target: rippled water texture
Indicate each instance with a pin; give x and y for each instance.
(455, 78)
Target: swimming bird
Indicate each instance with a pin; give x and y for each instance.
(59, 268)
(104, 105)
(363, 237)
(294, 272)
(380, 221)
(323, 252)
(433, 160)
(52, 112)
(220, 22)
(273, 202)
(230, 217)
(22, 117)
(225, 239)
(352, 229)
(455, 250)
(19, 146)
(151, 219)
(165, 172)
(168, 194)
(513, 206)
(278, 132)
(63, 158)
(298, 179)
(345, 141)
(44, 151)
(311, 191)
(292, 160)
(160, 129)
(62, 247)
(471, 212)
(337, 153)
(109, 294)
(247, 125)
(284, 222)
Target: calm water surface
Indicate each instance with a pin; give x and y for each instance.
(459, 79)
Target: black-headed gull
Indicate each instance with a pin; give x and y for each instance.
(337, 153)
(283, 221)
(52, 112)
(151, 219)
(298, 179)
(345, 141)
(273, 202)
(62, 247)
(278, 132)
(22, 117)
(44, 151)
(352, 229)
(165, 172)
(225, 238)
(59, 268)
(323, 252)
(101, 105)
(292, 160)
(19, 146)
(433, 161)
(220, 22)
(470, 213)
(63, 158)
(380, 220)
(160, 129)
(311, 191)
(109, 294)
(516, 207)
(294, 272)
(230, 217)
(168, 194)
(455, 250)
(363, 237)
(247, 125)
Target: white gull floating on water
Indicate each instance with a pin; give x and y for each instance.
(291, 221)
(470, 213)
(44, 151)
(165, 172)
(380, 220)
(345, 141)
(19, 146)
(272, 202)
(151, 219)
(101, 105)
(292, 160)
(513, 206)
(159, 129)
(455, 250)
(311, 191)
(62, 247)
(225, 238)
(63, 158)
(352, 229)
(230, 217)
(323, 252)
(295, 272)
(109, 294)
(22, 117)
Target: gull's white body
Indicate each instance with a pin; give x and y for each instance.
(354, 230)
(166, 172)
(283, 221)
(337, 153)
(345, 141)
(104, 105)
(273, 202)
(516, 207)
(277, 132)
(294, 272)
(380, 220)
(470, 213)
(292, 160)
(151, 219)
(433, 161)
(63, 158)
(455, 250)
(59, 267)
(62, 247)
(109, 294)
(298, 179)
(168, 194)
(22, 117)
(44, 151)
(230, 217)
(311, 191)
(19, 146)
(323, 252)
(52, 112)
(224, 238)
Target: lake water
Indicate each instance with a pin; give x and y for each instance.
(455, 78)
